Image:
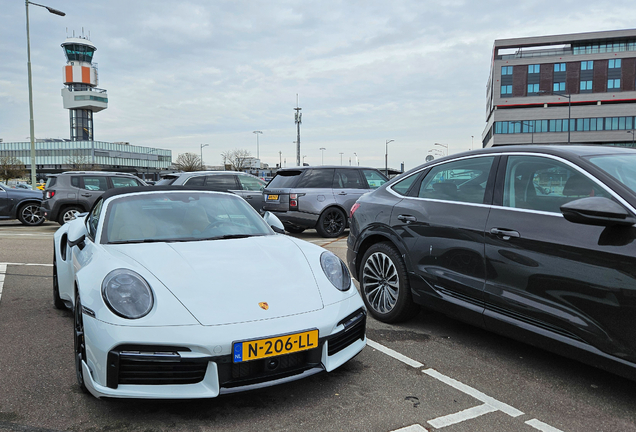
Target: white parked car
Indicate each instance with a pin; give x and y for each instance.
(191, 293)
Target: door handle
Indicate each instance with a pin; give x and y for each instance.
(407, 218)
(248, 197)
(342, 193)
(86, 195)
(506, 234)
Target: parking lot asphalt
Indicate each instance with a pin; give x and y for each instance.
(431, 373)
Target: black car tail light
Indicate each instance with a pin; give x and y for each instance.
(354, 207)
(49, 194)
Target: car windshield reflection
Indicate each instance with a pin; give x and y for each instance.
(180, 217)
(620, 166)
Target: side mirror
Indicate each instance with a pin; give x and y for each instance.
(274, 222)
(597, 211)
(77, 233)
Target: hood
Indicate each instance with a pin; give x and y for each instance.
(223, 281)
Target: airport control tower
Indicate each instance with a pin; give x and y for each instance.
(81, 96)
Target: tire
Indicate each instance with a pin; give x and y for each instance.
(29, 214)
(385, 286)
(57, 300)
(79, 342)
(332, 223)
(294, 230)
(68, 214)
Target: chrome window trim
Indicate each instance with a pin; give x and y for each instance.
(508, 153)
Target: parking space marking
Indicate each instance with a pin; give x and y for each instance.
(489, 404)
(3, 271)
(461, 416)
(412, 428)
(543, 427)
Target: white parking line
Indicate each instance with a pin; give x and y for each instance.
(461, 416)
(412, 428)
(489, 404)
(3, 271)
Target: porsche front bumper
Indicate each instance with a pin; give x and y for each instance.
(196, 361)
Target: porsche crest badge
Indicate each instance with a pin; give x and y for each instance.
(264, 305)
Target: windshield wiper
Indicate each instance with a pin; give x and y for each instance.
(231, 236)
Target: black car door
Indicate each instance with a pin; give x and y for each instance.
(441, 224)
(4, 203)
(570, 281)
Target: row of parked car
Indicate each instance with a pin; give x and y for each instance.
(302, 197)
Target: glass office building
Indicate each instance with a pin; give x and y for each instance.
(55, 156)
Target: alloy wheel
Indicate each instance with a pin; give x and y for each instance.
(381, 282)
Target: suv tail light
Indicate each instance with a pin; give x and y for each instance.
(49, 194)
(293, 201)
(354, 207)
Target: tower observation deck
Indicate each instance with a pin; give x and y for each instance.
(80, 95)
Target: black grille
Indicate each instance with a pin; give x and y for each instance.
(355, 326)
(256, 371)
(146, 366)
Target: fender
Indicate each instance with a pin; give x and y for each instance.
(375, 233)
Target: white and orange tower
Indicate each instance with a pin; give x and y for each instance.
(81, 96)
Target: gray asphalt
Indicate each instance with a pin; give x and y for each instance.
(373, 392)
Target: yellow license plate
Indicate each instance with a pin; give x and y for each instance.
(275, 346)
(272, 197)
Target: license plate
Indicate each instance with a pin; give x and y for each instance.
(272, 197)
(275, 346)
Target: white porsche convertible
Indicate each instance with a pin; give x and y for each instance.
(185, 293)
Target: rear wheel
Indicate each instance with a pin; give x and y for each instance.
(57, 301)
(384, 284)
(332, 223)
(79, 342)
(29, 214)
(68, 214)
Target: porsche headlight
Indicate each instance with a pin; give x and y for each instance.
(127, 294)
(335, 270)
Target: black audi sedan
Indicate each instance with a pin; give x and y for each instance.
(532, 242)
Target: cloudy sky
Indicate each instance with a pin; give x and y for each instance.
(180, 74)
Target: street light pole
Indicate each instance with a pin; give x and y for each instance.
(357, 161)
(341, 153)
(257, 134)
(443, 145)
(322, 153)
(31, 123)
(386, 158)
(632, 132)
(202, 145)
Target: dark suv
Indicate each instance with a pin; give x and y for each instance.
(70, 193)
(318, 197)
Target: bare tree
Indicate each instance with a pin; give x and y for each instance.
(188, 162)
(236, 160)
(80, 162)
(11, 167)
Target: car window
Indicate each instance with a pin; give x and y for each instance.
(403, 186)
(75, 181)
(374, 178)
(285, 179)
(50, 182)
(93, 218)
(317, 178)
(544, 184)
(195, 181)
(347, 179)
(124, 182)
(251, 183)
(167, 180)
(95, 183)
(463, 180)
(622, 167)
(221, 182)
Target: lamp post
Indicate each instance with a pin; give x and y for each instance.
(569, 96)
(530, 125)
(443, 145)
(322, 153)
(304, 160)
(357, 162)
(257, 134)
(202, 145)
(31, 125)
(341, 153)
(386, 158)
(632, 132)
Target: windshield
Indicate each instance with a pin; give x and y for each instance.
(285, 179)
(180, 216)
(620, 166)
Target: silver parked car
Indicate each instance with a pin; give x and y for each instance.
(318, 197)
(247, 186)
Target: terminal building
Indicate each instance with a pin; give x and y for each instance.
(575, 88)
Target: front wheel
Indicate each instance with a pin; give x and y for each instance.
(29, 214)
(384, 284)
(332, 223)
(79, 342)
